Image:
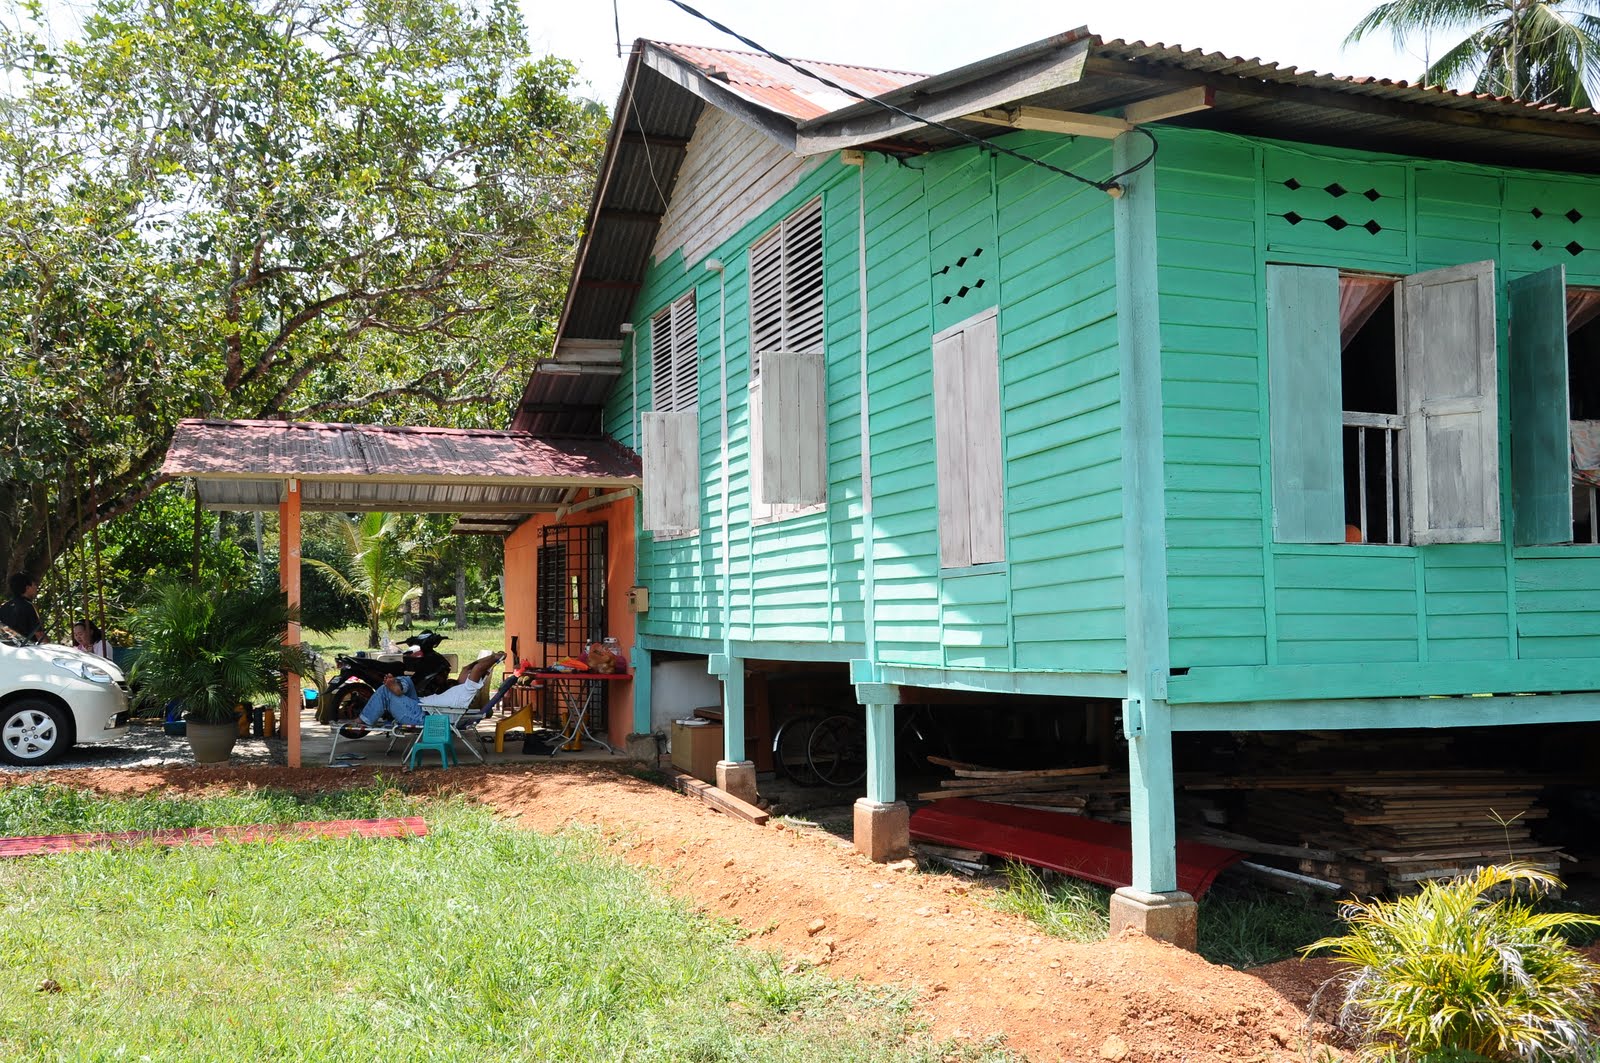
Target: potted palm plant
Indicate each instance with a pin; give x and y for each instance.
(212, 651)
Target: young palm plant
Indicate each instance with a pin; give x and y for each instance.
(1530, 49)
(1466, 971)
(213, 650)
(381, 558)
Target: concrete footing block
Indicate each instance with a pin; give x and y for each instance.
(645, 748)
(882, 831)
(738, 777)
(1172, 917)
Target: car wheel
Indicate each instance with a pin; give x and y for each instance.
(33, 731)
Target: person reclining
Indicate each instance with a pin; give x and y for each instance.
(398, 697)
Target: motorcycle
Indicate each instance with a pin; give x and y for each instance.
(359, 677)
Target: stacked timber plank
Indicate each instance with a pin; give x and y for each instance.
(1388, 831)
(1093, 790)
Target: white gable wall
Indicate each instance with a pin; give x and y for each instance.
(730, 173)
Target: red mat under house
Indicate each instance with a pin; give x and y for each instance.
(406, 827)
(1073, 845)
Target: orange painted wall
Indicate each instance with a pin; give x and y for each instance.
(522, 548)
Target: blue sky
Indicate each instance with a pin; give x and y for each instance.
(930, 36)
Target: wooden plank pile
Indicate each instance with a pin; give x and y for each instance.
(1094, 790)
(1388, 831)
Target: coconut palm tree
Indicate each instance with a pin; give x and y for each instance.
(1530, 49)
(381, 567)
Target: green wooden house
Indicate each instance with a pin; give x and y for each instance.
(1251, 399)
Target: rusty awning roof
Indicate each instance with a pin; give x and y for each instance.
(497, 478)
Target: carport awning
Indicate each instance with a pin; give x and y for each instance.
(495, 479)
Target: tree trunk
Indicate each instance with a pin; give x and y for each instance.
(461, 595)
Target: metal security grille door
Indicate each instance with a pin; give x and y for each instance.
(571, 589)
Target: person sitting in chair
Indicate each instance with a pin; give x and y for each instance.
(398, 698)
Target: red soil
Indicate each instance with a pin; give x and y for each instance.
(982, 974)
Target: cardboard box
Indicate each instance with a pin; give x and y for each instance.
(696, 749)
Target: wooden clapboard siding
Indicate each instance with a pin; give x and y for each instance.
(1062, 412)
(842, 317)
(1211, 373)
(1337, 611)
(731, 173)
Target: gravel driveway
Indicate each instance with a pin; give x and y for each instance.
(146, 745)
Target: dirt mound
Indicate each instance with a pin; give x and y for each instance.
(982, 974)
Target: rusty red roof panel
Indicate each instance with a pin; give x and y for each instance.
(311, 450)
(771, 84)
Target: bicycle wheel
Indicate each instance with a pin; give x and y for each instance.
(837, 751)
(789, 749)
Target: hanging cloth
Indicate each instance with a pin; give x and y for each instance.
(1359, 298)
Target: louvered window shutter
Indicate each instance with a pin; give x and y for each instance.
(1541, 463)
(661, 361)
(685, 356)
(1304, 396)
(788, 375)
(1452, 407)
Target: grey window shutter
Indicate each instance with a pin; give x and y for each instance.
(671, 471)
(1305, 403)
(1541, 464)
(949, 429)
(793, 426)
(985, 466)
(1452, 404)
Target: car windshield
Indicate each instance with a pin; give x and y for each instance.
(11, 638)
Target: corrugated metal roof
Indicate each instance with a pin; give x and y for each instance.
(350, 468)
(668, 85)
(770, 84)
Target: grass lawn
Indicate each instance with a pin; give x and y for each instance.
(1239, 926)
(477, 942)
(466, 644)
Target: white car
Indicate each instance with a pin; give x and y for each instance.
(52, 697)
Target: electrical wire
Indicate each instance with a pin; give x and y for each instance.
(1110, 185)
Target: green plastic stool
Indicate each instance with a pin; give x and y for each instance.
(435, 735)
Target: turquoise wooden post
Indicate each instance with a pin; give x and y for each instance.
(880, 754)
(733, 711)
(1153, 903)
(641, 690)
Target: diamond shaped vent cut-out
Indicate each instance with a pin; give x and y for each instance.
(1373, 194)
(961, 292)
(1536, 212)
(962, 261)
(1573, 216)
(941, 272)
(1538, 245)
(1292, 218)
(945, 300)
(1335, 223)
(979, 284)
(1373, 227)
(1292, 185)
(1574, 249)
(1335, 190)
(977, 251)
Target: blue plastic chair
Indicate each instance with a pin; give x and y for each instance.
(435, 735)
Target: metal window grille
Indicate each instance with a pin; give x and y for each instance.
(571, 590)
(1376, 472)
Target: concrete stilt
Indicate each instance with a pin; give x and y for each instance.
(882, 829)
(1172, 916)
(738, 777)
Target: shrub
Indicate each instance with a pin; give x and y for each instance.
(1466, 970)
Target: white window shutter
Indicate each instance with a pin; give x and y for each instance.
(661, 360)
(950, 456)
(671, 471)
(685, 356)
(985, 465)
(793, 428)
(1452, 404)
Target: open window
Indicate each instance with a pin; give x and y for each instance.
(1384, 409)
(1555, 409)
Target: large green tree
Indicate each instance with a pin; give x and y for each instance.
(1529, 49)
(316, 209)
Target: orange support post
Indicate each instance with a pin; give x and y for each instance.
(289, 580)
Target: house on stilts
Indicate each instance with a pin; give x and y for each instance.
(1154, 392)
